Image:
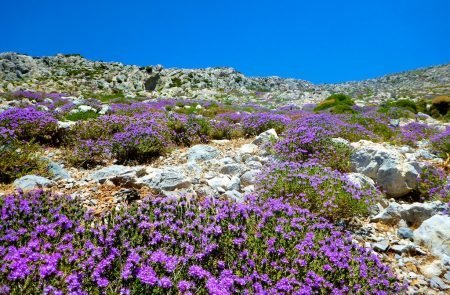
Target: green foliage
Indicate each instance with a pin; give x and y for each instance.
(82, 116)
(422, 106)
(19, 159)
(337, 103)
(378, 127)
(317, 189)
(343, 109)
(402, 108)
(176, 82)
(433, 185)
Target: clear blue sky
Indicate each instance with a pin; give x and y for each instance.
(320, 41)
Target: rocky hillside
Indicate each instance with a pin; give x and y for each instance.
(76, 75)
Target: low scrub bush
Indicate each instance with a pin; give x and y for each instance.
(88, 153)
(433, 184)
(18, 159)
(441, 143)
(320, 190)
(82, 116)
(225, 130)
(30, 124)
(140, 143)
(413, 132)
(257, 123)
(377, 124)
(188, 130)
(159, 247)
(337, 103)
(402, 108)
(311, 137)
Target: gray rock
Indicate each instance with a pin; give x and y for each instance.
(414, 213)
(255, 165)
(221, 181)
(227, 160)
(232, 169)
(235, 195)
(202, 153)
(386, 166)
(381, 246)
(235, 183)
(438, 283)
(434, 233)
(249, 177)
(447, 276)
(30, 182)
(401, 249)
(265, 137)
(394, 122)
(57, 171)
(405, 233)
(248, 148)
(361, 181)
(180, 193)
(105, 109)
(65, 124)
(117, 174)
(167, 179)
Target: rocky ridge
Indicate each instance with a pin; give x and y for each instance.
(78, 76)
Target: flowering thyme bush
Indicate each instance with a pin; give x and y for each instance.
(225, 130)
(30, 124)
(434, 184)
(188, 130)
(321, 190)
(255, 124)
(18, 159)
(49, 245)
(311, 138)
(413, 132)
(140, 142)
(89, 153)
(441, 142)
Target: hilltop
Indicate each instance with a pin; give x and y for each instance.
(77, 75)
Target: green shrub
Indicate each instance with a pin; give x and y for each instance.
(318, 189)
(433, 184)
(337, 103)
(379, 126)
(402, 108)
(82, 116)
(19, 159)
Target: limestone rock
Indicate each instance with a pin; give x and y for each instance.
(202, 153)
(30, 182)
(265, 137)
(388, 167)
(434, 233)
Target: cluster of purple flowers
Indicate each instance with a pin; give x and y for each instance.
(441, 142)
(48, 244)
(28, 124)
(319, 189)
(254, 124)
(309, 138)
(415, 131)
